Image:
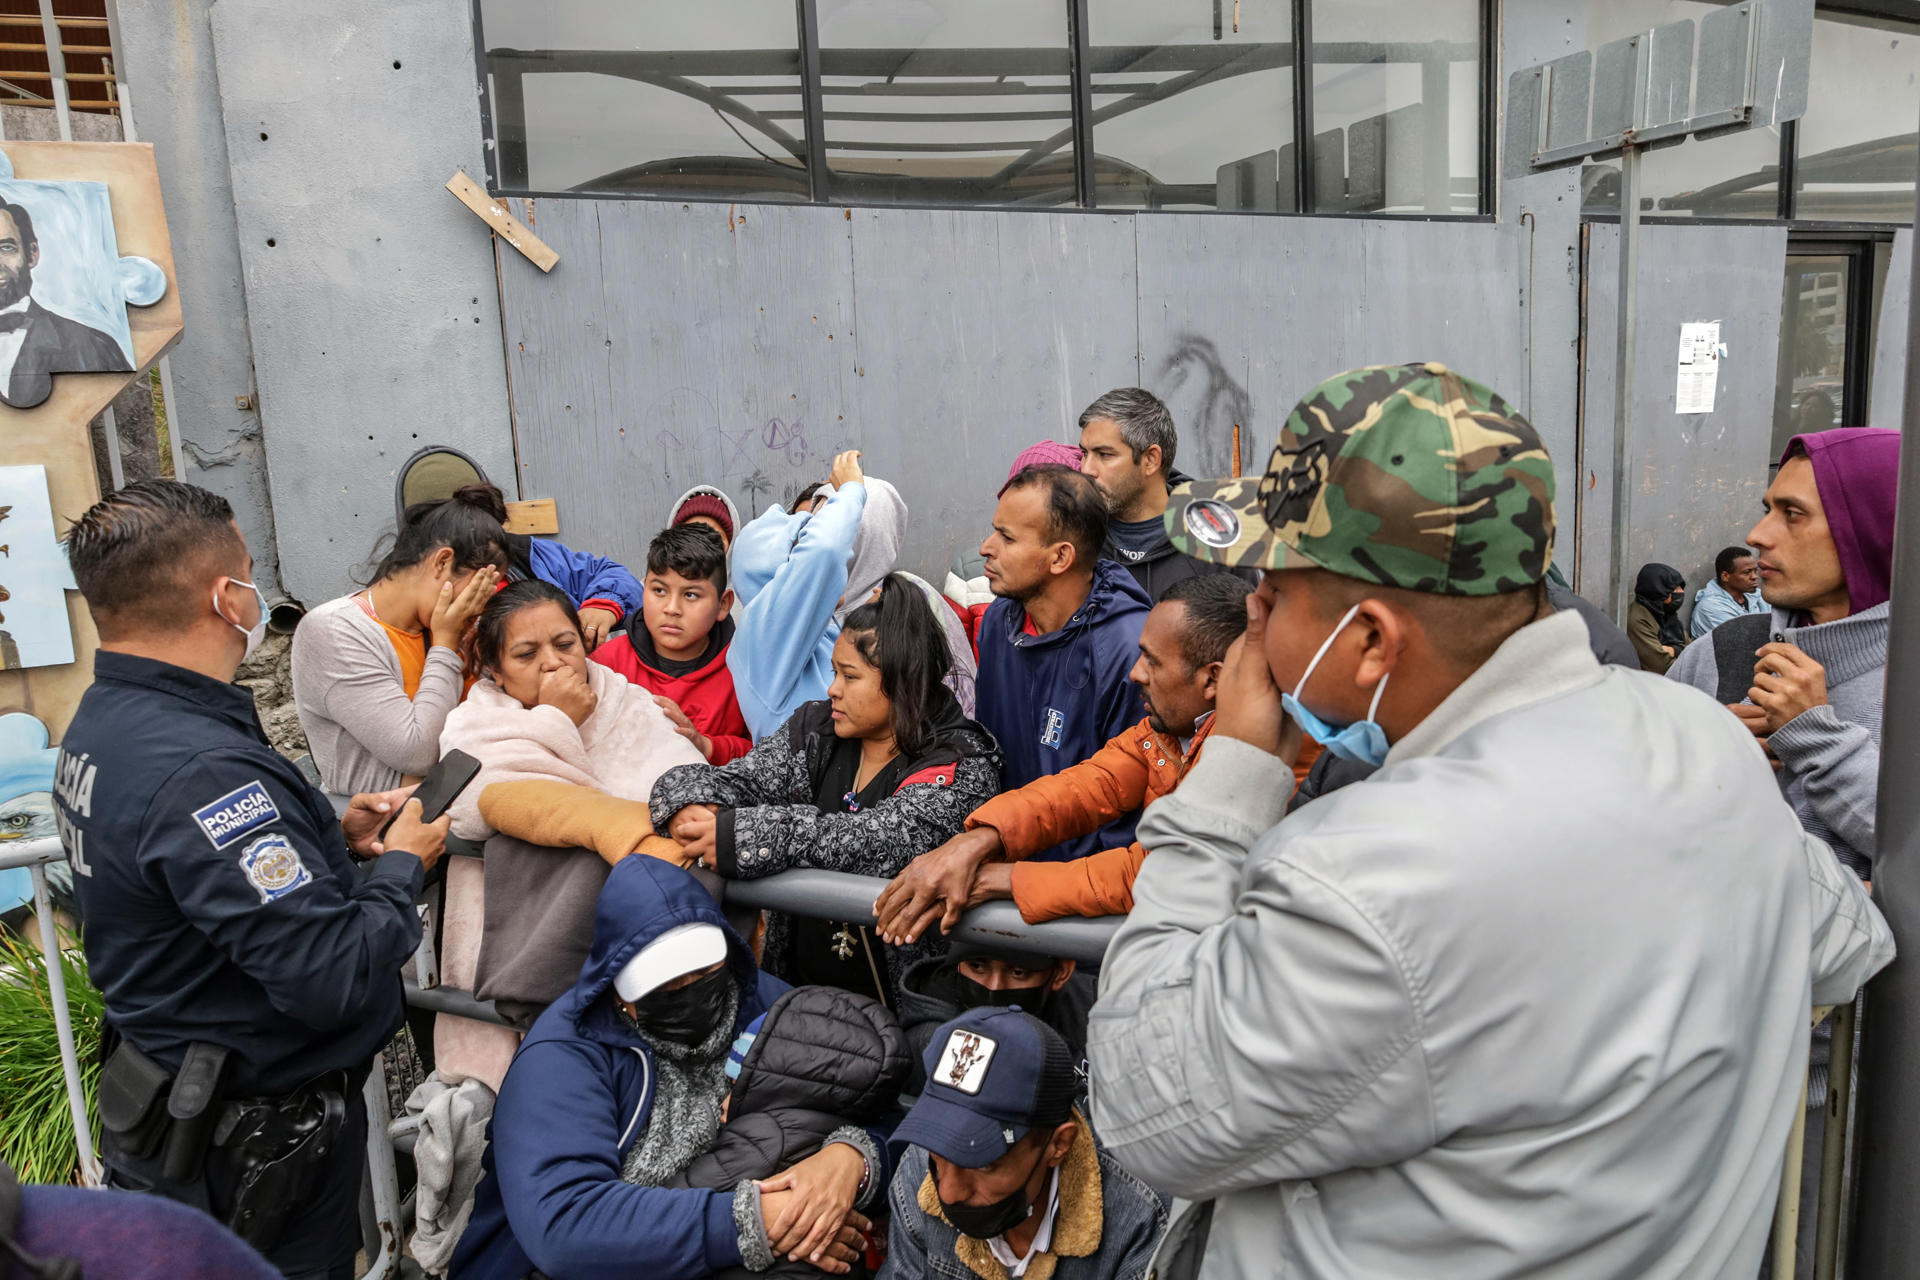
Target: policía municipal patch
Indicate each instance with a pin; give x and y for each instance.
(237, 813)
(273, 868)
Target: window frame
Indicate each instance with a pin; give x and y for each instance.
(502, 155)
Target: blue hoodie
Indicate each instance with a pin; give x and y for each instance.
(790, 572)
(587, 579)
(578, 1097)
(1053, 700)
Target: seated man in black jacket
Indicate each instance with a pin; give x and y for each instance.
(977, 975)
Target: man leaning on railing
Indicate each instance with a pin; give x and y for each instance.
(250, 970)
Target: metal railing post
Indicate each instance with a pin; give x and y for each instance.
(34, 855)
(382, 1174)
(1833, 1144)
(1886, 1238)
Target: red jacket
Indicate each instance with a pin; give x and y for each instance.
(705, 694)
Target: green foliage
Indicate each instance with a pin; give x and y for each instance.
(36, 1129)
(160, 422)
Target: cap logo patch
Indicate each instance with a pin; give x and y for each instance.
(1290, 493)
(1213, 522)
(963, 1065)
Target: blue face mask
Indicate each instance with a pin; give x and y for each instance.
(1363, 741)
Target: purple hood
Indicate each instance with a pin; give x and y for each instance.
(1857, 470)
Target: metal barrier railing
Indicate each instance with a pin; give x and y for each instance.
(838, 896)
(34, 855)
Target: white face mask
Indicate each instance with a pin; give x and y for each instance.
(254, 634)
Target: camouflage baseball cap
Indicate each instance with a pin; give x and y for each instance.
(1405, 475)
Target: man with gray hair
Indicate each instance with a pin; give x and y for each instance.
(1127, 443)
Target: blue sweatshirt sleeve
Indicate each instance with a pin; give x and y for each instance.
(585, 577)
(783, 626)
(557, 1148)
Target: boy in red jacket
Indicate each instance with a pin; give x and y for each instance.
(680, 653)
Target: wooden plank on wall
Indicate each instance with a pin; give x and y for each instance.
(505, 225)
(538, 516)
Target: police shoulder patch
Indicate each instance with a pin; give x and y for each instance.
(273, 867)
(235, 814)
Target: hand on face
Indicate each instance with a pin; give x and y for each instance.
(1247, 704)
(565, 688)
(460, 601)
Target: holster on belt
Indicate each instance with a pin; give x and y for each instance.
(278, 1146)
(196, 1090)
(133, 1091)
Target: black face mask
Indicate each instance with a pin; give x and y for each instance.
(974, 995)
(686, 1015)
(985, 1221)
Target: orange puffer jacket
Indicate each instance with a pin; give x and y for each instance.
(1131, 771)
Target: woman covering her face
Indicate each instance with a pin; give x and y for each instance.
(886, 768)
(568, 750)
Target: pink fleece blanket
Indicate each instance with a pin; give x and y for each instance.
(624, 746)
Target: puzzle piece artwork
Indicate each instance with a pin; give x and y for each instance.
(34, 575)
(64, 288)
(26, 797)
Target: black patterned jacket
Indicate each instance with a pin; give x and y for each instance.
(768, 820)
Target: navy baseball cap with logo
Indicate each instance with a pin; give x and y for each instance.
(992, 1075)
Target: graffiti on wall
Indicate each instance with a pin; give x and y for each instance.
(1207, 403)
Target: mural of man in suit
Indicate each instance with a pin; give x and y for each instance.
(36, 343)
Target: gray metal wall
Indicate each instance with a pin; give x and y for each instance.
(740, 345)
(167, 55)
(370, 301)
(1698, 478)
(1890, 336)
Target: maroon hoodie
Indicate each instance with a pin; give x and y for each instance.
(1857, 471)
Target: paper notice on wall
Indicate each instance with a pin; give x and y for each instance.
(1699, 367)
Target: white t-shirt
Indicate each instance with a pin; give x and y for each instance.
(1016, 1264)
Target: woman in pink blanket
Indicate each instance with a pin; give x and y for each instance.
(568, 752)
(541, 712)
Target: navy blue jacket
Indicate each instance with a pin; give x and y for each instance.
(218, 897)
(577, 1098)
(1053, 700)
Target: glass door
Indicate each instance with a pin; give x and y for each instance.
(1826, 344)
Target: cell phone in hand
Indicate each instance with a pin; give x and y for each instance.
(442, 785)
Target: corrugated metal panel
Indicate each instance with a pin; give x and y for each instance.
(741, 345)
(981, 333)
(1890, 336)
(1699, 477)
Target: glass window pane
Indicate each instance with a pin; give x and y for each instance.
(1396, 106)
(648, 99)
(1188, 114)
(1856, 151)
(1736, 175)
(1811, 372)
(947, 101)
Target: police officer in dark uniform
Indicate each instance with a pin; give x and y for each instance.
(251, 969)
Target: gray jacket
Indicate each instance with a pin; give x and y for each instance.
(1497, 1011)
(1829, 756)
